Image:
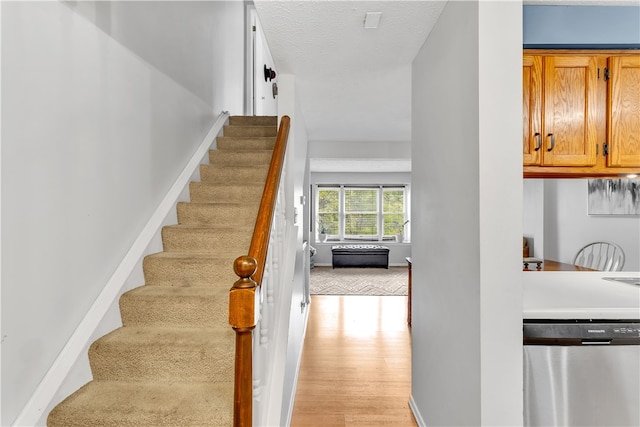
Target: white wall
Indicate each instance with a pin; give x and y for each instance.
(568, 227)
(467, 210)
(371, 150)
(157, 33)
(533, 215)
(101, 111)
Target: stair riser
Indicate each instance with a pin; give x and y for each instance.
(218, 175)
(218, 214)
(253, 121)
(230, 158)
(163, 361)
(207, 241)
(250, 131)
(188, 272)
(219, 193)
(188, 311)
(245, 144)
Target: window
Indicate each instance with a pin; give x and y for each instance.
(393, 210)
(328, 212)
(361, 212)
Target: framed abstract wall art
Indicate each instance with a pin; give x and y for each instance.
(613, 197)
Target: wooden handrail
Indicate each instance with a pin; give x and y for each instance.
(250, 269)
(262, 229)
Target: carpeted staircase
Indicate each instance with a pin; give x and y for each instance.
(172, 363)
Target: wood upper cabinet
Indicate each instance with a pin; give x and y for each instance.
(560, 110)
(581, 113)
(532, 109)
(570, 111)
(623, 111)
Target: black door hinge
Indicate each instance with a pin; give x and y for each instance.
(605, 149)
(606, 74)
(254, 28)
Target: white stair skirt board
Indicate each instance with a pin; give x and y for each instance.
(41, 400)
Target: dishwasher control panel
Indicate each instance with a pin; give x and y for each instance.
(581, 332)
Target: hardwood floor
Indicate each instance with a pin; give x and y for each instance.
(356, 363)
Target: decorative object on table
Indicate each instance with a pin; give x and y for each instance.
(613, 197)
(322, 231)
(525, 248)
(400, 231)
(529, 260)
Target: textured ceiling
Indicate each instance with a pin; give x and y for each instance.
(354, 84)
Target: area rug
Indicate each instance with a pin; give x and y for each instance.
(358, 281)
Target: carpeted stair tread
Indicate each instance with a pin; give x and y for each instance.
(237, 174)
(222, 214)
(201, 239)
(247, 143)
(198, 306)
(164, 354)
(132, 404)
(253, 120)
(250, 131)
(180, 269)
(240, 157)
(232, 193)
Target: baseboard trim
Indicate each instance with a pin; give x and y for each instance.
(416, 413)
(41, 398)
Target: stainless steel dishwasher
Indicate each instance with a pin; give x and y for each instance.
(581, 373)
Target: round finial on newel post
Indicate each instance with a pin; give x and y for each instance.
(244, 266)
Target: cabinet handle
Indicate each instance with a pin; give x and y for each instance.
(539, 143)
(553, 141)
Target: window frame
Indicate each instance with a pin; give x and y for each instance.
(380, 213)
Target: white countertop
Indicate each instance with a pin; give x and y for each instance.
(579, 295)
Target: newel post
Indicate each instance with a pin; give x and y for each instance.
(242, 320)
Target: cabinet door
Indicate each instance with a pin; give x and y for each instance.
(570, 111)
(623, 112)
(531, 109)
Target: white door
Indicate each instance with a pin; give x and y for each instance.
(264, 75)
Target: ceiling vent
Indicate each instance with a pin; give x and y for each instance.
(372, 19)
